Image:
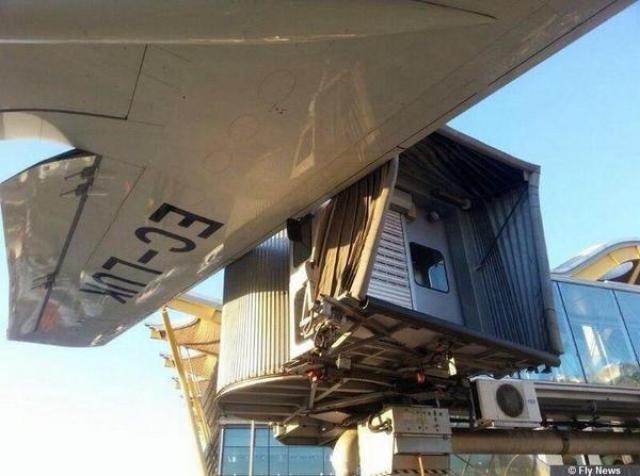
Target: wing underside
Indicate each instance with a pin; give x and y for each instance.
(95, 245)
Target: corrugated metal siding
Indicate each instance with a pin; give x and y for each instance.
(255, 325)
(501, 236)
(390, 278)
(506, 271)
(517, 249)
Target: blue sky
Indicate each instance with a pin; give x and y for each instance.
(114, 410)
(578, 116)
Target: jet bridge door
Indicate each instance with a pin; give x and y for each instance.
(440, 297)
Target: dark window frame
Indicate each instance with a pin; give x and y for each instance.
(412, 246)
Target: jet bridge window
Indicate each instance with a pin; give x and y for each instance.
(429, 269)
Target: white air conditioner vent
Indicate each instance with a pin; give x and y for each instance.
(507, 403)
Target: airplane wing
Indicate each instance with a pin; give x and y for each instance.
(234, 114)
(94, 246)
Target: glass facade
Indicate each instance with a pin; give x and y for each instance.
(600, 330)
(630, 308)
(495, 465)
(270, 457)
(570, 369)
(603, 344)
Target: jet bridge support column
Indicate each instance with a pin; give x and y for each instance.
(344, 458)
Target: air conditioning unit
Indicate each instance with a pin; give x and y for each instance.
(507, 403)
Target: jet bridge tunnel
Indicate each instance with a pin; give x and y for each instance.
(429, 270)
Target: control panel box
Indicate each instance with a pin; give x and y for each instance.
(393, 440)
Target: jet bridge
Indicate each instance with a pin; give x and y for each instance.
(566, 418)
(421, 359)
(400, 309)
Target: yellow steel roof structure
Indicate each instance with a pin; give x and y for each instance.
(617, 261)
(201, 385)
(201, 366)
(195, 371)
(203, 332)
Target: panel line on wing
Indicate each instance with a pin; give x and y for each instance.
(119, 209)
(62, 111)
(135, 85)
(458, 9)
(84, 194)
